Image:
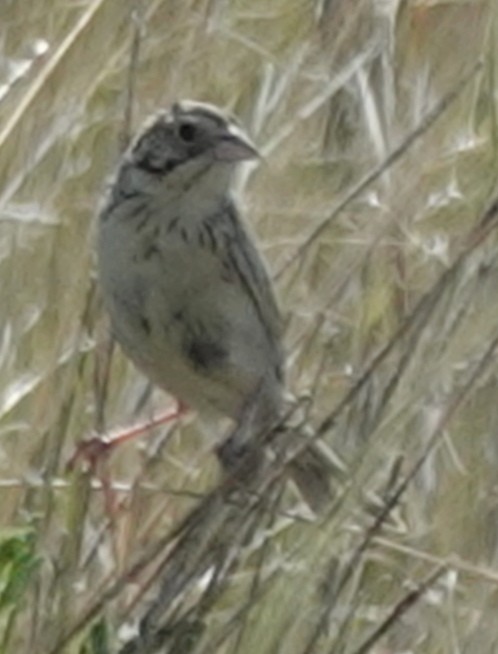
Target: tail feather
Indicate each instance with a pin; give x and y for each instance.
(312, 471)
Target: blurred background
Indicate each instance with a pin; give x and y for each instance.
(376, 206)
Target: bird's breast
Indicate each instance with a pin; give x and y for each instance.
(180, 313)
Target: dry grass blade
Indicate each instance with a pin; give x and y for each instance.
(421, 312)
(376, 205)
(362, 185)
(397, 612)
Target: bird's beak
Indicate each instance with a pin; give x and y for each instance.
(235, 145)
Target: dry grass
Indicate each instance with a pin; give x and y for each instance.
(377, 207)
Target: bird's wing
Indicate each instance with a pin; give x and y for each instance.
(244, 260)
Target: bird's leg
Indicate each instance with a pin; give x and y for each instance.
(242, 450)
(94, 449)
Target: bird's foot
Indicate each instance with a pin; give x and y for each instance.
(93, 452)
(240, 460)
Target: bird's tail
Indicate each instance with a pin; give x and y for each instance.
(312, 471)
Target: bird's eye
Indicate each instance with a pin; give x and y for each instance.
(187, 132)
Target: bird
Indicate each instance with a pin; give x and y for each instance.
(184, 282)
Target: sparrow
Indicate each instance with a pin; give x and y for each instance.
(188, 293)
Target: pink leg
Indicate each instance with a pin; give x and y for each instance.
(94, 449)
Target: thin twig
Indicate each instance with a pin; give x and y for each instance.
(399, 610)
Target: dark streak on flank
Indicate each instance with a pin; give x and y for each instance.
(143, 222)
(145, 324)
(227, 273)
(184, 234)
(150, 251)
(173, 224)
(205, 354)
(211, 237)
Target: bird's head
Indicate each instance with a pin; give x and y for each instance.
(188, 141)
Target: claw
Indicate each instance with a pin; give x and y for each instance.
(91, 451)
